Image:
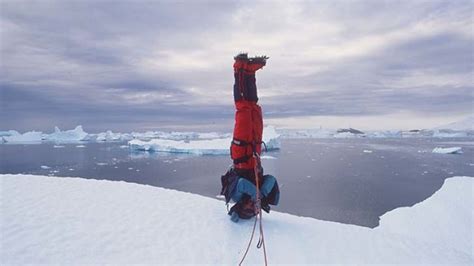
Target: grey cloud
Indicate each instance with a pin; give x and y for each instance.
(85, 61)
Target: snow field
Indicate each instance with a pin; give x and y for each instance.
(72, 220)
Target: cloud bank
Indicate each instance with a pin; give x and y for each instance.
(160, 64)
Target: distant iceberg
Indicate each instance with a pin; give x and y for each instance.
(200, 147)
(215, 146)
(451, 150)
(28, 137)
(9, 133)
(444, 133)
(149, 140)
(73, 135)
(111, 136)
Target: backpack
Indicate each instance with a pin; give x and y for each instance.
(228, 182)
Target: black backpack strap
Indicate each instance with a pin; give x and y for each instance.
(242, 159)
(228, 182)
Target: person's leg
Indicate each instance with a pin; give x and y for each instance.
(267, 186)
(244, 187)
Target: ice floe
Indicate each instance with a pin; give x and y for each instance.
(450, 150)
(200, 146)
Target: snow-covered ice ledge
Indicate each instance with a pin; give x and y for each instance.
(71, 220)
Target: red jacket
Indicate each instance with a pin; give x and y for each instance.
(248, 127)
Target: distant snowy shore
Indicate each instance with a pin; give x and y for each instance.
(50, 220)
(213, 139)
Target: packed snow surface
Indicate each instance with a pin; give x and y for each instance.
(201, 147)
(50, 220)
(451, 150)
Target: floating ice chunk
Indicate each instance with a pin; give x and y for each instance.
(385, 134)
(267, 157)
(28, 137)
(307, 133)
(201, 147)
(45, 167)
(101, 164)
(451, 150)
(76, 134)
(80, 146)
(344, 135)
(9, 133)
(271, 138)
(109, 136)
(367, 151)
(449, 134)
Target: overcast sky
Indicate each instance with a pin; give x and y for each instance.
(141, 65)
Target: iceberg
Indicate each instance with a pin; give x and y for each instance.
(27, 138)
(218, 146)
(199, 147)
(345, 135)
(384, 134)
(451, 150)
(271, 138)
(110, 136)
(9, 133)
(307, 133)
(74, 135)
(268, 157)
(41, 223)
(175, 135)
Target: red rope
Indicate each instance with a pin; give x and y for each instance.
(258, 216)
(259, 208)
(250, 242)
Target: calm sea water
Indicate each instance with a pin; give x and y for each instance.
(351, 181)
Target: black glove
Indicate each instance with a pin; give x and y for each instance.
(259, 59)
(241, 56)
